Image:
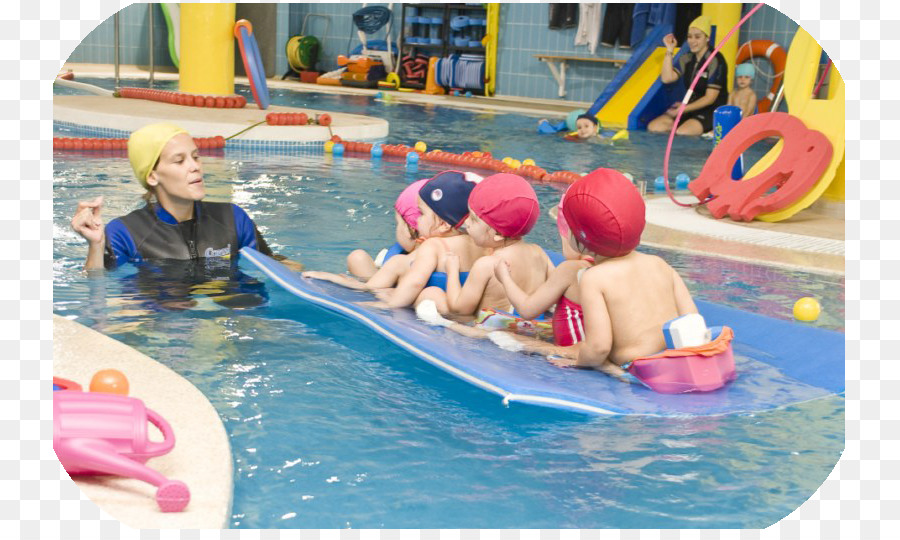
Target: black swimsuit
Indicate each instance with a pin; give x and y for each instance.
(713, 77)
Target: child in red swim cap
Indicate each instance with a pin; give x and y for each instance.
(503, 208)
(626, 296)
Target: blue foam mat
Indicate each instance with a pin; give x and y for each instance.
(779, 363)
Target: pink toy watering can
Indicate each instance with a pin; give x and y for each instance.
(95, 433)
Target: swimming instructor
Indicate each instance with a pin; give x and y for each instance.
(711, 90)
(178, 224)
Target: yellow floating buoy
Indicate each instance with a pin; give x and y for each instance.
(622, 134)
(421, 146)
(515, 164)
(807, 309)
(528, 161)
(329, 146)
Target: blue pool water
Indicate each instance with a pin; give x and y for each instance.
(332, 426)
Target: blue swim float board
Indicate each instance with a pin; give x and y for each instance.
(779, 363)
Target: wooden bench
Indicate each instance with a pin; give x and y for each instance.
(559, 73)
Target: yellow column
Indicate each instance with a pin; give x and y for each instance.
(207, 49)
(724, 17)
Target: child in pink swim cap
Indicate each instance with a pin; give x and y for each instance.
(391, 263)
(503, 208)
(626, 295)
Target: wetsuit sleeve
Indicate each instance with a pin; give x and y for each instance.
(247, 233)
(680, 64)
(716, 71)
(120, 246)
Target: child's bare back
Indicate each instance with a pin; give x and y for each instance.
(640, 293)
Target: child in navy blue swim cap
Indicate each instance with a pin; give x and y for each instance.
(443, 203)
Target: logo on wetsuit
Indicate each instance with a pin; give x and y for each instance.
(224, 252)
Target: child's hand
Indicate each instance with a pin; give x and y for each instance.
(501, 270)
(451, 262)
(562, 362)
(673, 109)
(670, 42)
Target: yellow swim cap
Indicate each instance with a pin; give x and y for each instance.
(703, 24)
(145, 145)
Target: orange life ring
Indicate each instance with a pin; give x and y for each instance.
(777, 56)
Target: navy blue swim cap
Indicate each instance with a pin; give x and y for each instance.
(447, 194)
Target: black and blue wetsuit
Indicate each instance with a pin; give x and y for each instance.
(217, 231)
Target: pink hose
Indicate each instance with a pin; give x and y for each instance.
(822, 79)
(684, 102)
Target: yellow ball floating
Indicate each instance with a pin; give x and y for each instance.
(515, 164)
(329, 146)
(421, 146)
(807, 309)
(528, 161)
(622, 134)
(507, 160)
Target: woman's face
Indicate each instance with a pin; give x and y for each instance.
(697, 40)
(405, 235)
(178, 174)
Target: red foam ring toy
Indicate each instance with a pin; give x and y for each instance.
(804, 157)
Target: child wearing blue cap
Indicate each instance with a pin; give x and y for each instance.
(743, 96)
(443, 203)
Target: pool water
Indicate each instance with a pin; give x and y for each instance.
(332, 426)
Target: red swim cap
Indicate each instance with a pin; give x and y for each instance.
(507, 203)
(605, 212)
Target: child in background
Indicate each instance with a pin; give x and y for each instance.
(626, 296)
(587, 126)
(380, 273)
(442, 202)
(743, 96)
(503, 208)
(561, 289)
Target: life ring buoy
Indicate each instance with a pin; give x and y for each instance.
(758, 48)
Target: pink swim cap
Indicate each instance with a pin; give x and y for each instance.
(507, 203)
(561, 224)
(605, 212)
(407, 203)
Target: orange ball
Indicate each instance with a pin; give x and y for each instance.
(109, 381)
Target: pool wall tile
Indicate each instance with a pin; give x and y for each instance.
(523, 33)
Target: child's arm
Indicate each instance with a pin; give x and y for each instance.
(683, 300)
(749, 104)
(412, 283)
(531, 306)
(340, 279)
(464, 300)
(597, 325)
(385, 277)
